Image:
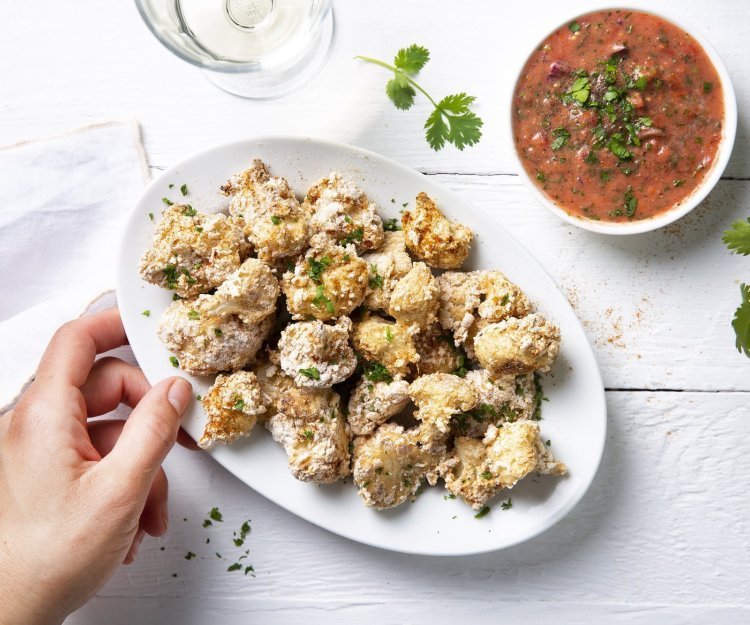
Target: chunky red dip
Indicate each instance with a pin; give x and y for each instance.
(618, 116)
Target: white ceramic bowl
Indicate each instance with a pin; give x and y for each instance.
(709, 182)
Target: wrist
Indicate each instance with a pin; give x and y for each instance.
(22, 605)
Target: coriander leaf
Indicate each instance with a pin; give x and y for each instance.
(458, 103)
(411, 59)
(437, 130)
(311, 373)
(400, 92)
(631, 202)
(741, 322)
(464, 130)
(737, 239)
(619, 150)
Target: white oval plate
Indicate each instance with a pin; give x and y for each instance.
(574, 419)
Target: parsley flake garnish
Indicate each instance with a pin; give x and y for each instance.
(316, 267)
(391, 225)
(184, 189)
(215, 515)
(311, 373)
(507, 505)
(239, 403)
(376, 280)
(452, 119)
(167, 201)
(377, 372)
(193, 314)
(483, 512)
(174, 361)
(276, 220)
(146, 313)
(354, 235)
(562, 136)
(308, 434)
(189, 211)
(234, 567)
(574, 27)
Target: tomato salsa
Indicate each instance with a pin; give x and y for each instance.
(618, 116)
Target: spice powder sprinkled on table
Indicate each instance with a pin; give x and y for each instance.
(618, 116)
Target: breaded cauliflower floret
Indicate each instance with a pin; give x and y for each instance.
(314, 434)
(434, 239)
(232, 405)
(206, 344)
(504, 399)
(516, 346)
(387, 265)
(387, 343)
(329, 282)
(274, 384)
(340, 212)
(482, 469)
(191, 252)
(268, 212)
(414, 301)
(373, 403)
(436, 351)
(316, 354)
(439, 396)
(224, 331)
(389, 466)
(472, 300)
(250, 293)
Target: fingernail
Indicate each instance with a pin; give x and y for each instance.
(180, 394)
(165, 520)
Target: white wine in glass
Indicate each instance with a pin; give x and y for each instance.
(252, 48)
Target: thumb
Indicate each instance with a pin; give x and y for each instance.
(150, 432)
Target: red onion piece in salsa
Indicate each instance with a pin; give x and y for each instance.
(618, 116)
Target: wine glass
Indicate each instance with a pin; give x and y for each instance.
(251, 48)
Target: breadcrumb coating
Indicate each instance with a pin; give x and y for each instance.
(501, 400)
(191, 252)
(388, 343)
(204, 343)
(328, 282)
(316, 354)
(414, 301)
(269, 213)
(373, 403)
(516, 346)
(388, 265)
(483, 468)
(389, 466)
(250, 293)
(314, 434)
(439, 396)
(341, 213)
(431, 237)
(273, 382)
(436, 351)
(474, 299)
(232, 405)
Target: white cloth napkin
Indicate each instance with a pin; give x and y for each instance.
(63, 203)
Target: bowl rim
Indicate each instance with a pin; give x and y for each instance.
(723, 153)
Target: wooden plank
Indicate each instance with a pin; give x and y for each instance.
(103, 72)
(662, 534)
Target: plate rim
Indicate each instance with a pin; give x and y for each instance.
(256, 140)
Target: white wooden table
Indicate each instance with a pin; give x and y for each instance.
(664, 533)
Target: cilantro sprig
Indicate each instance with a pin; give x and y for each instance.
(737, 239)
(451, 121)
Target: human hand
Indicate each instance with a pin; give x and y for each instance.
(76, 498)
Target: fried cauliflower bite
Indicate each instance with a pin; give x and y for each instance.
(250, 293)
(389, 466)
(341, 213)
(373, 403)
(387, 343)
(474, 299)
(439, 396)
(483, 468)
(232, 405)
(431, 237)
(224, 331)
(273, 383)
(436, 351)
(314, 434)
(387, 266)
(414, 301)
(516, 346)
(205, 343)
(268, 212)
(316, 354)
(191, 252)
(504, 399)
(328, 282)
